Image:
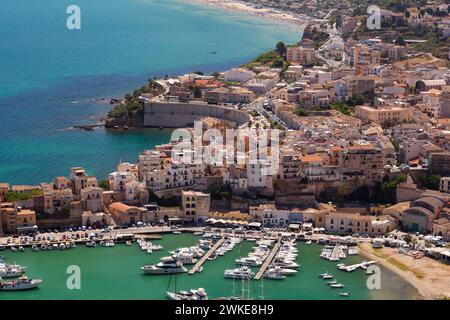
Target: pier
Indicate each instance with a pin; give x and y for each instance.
(268, 260)
(335, 253)
(207, 255)
(353, 267)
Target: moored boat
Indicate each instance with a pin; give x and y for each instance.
(198, 294)
(22, 283)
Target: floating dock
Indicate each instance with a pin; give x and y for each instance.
(268, 260)
(207, 255)
(353, 267)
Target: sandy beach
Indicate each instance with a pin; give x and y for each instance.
(261, 12)
(430, 277)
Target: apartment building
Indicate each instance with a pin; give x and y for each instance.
(195, 206)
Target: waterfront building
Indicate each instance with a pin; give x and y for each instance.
(269, 216)
(81, 180)
(9, 217)
(62, 183)
(25, 221)
(195, 206)
(420, 216)
(95, 219)
(92, 199)
(124, 214)
(4, 189)
(349, 223)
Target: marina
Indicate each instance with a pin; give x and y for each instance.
(131, 283)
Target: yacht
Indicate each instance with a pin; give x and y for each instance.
(198, 294)
(185, 259)
(286, 264)
(274, 275)
(239, 273)
(249, 261)
(164, 267)
(283, 271)
(22, 283)
(11, 271)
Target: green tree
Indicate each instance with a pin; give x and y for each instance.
(104, 185)
(281, 48)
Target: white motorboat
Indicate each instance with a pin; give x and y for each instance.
(283, 271)
(239, 273)
(274, 275)
(249, 261)
(337, 285)
(62, 246)
(286, 264)
(21, 249)
(164, 267)
(43, 246)
(185, 259)
(34, 247)
(326, 275)
(308, 242)
(344, 294)
(23, 283)
(11, 271)
(13, 249)
(198, 294)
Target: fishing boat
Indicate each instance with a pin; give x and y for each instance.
(22, 283)
(193, 294)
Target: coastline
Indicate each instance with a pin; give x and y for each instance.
(425, 286)
(265, 13)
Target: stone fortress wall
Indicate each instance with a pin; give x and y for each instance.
(179, 115)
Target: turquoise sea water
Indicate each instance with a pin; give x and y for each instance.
(113, 273)
(50, 75)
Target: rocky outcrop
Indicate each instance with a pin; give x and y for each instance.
(135, 120)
